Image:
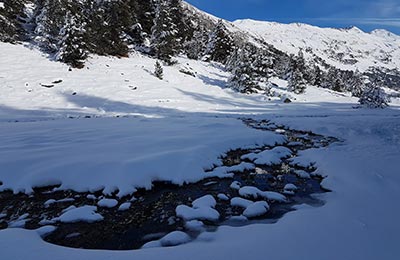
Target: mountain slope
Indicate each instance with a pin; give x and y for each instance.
(348, 49)
(109, 86)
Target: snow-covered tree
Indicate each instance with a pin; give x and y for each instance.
(220, 43)
(373, 96)
(10, 24)
(295, 74)
(354, 82)
(315, 75)
(49, 23)
(333, 80)
(165, 32)
(72, 46)
(196, 47)
(250, 68)
(337, 84)
(158, 70)
(117, 20)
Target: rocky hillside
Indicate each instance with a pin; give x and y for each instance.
(71, 30)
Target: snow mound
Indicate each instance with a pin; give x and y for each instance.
(53, 201)
(124, 206)
(175, 238)
(256, 209)
(207, 201)
(220, 196)
(269, 157)
(255, 193)
(235, 185)
(43, 231)
(302, 161)
(81, 214)
(194, 225)
(290, 187)
(225, 171)
(188, 213)
(107, 203)
(240, 202)
(202, 210)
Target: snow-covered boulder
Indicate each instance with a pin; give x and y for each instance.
(256, 209)
(240, 202)
(189, 213)
(175, 238)
(269, 157)
(255, 193)
(81, 214)
(107, 203)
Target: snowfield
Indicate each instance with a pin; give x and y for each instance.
(175, 130)
(118, 154)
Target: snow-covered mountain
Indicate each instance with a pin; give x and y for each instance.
(348, 49)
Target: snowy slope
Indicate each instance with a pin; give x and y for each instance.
(338, 47)
(110, 86)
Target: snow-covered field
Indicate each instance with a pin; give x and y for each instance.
(176, 129)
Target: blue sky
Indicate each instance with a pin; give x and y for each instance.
(365, 14)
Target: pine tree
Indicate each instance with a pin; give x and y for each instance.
(220, 44)
(158, 70)
(242, 78)
(134, 30)
(176, 14)
(295, 75)
(337, 84)
(315, 75)
(250, 70)
(334, 80)
(110, 27)
(96, 27)
(117, 20)
(373, 96)
(72, 46)
(354, 82)
(296, 82)
(165, 40)
(196, 47)
(49, 23)
(10, 24)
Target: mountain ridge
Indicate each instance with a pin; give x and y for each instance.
(295, 36)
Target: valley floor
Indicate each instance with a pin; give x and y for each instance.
(114, 126)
